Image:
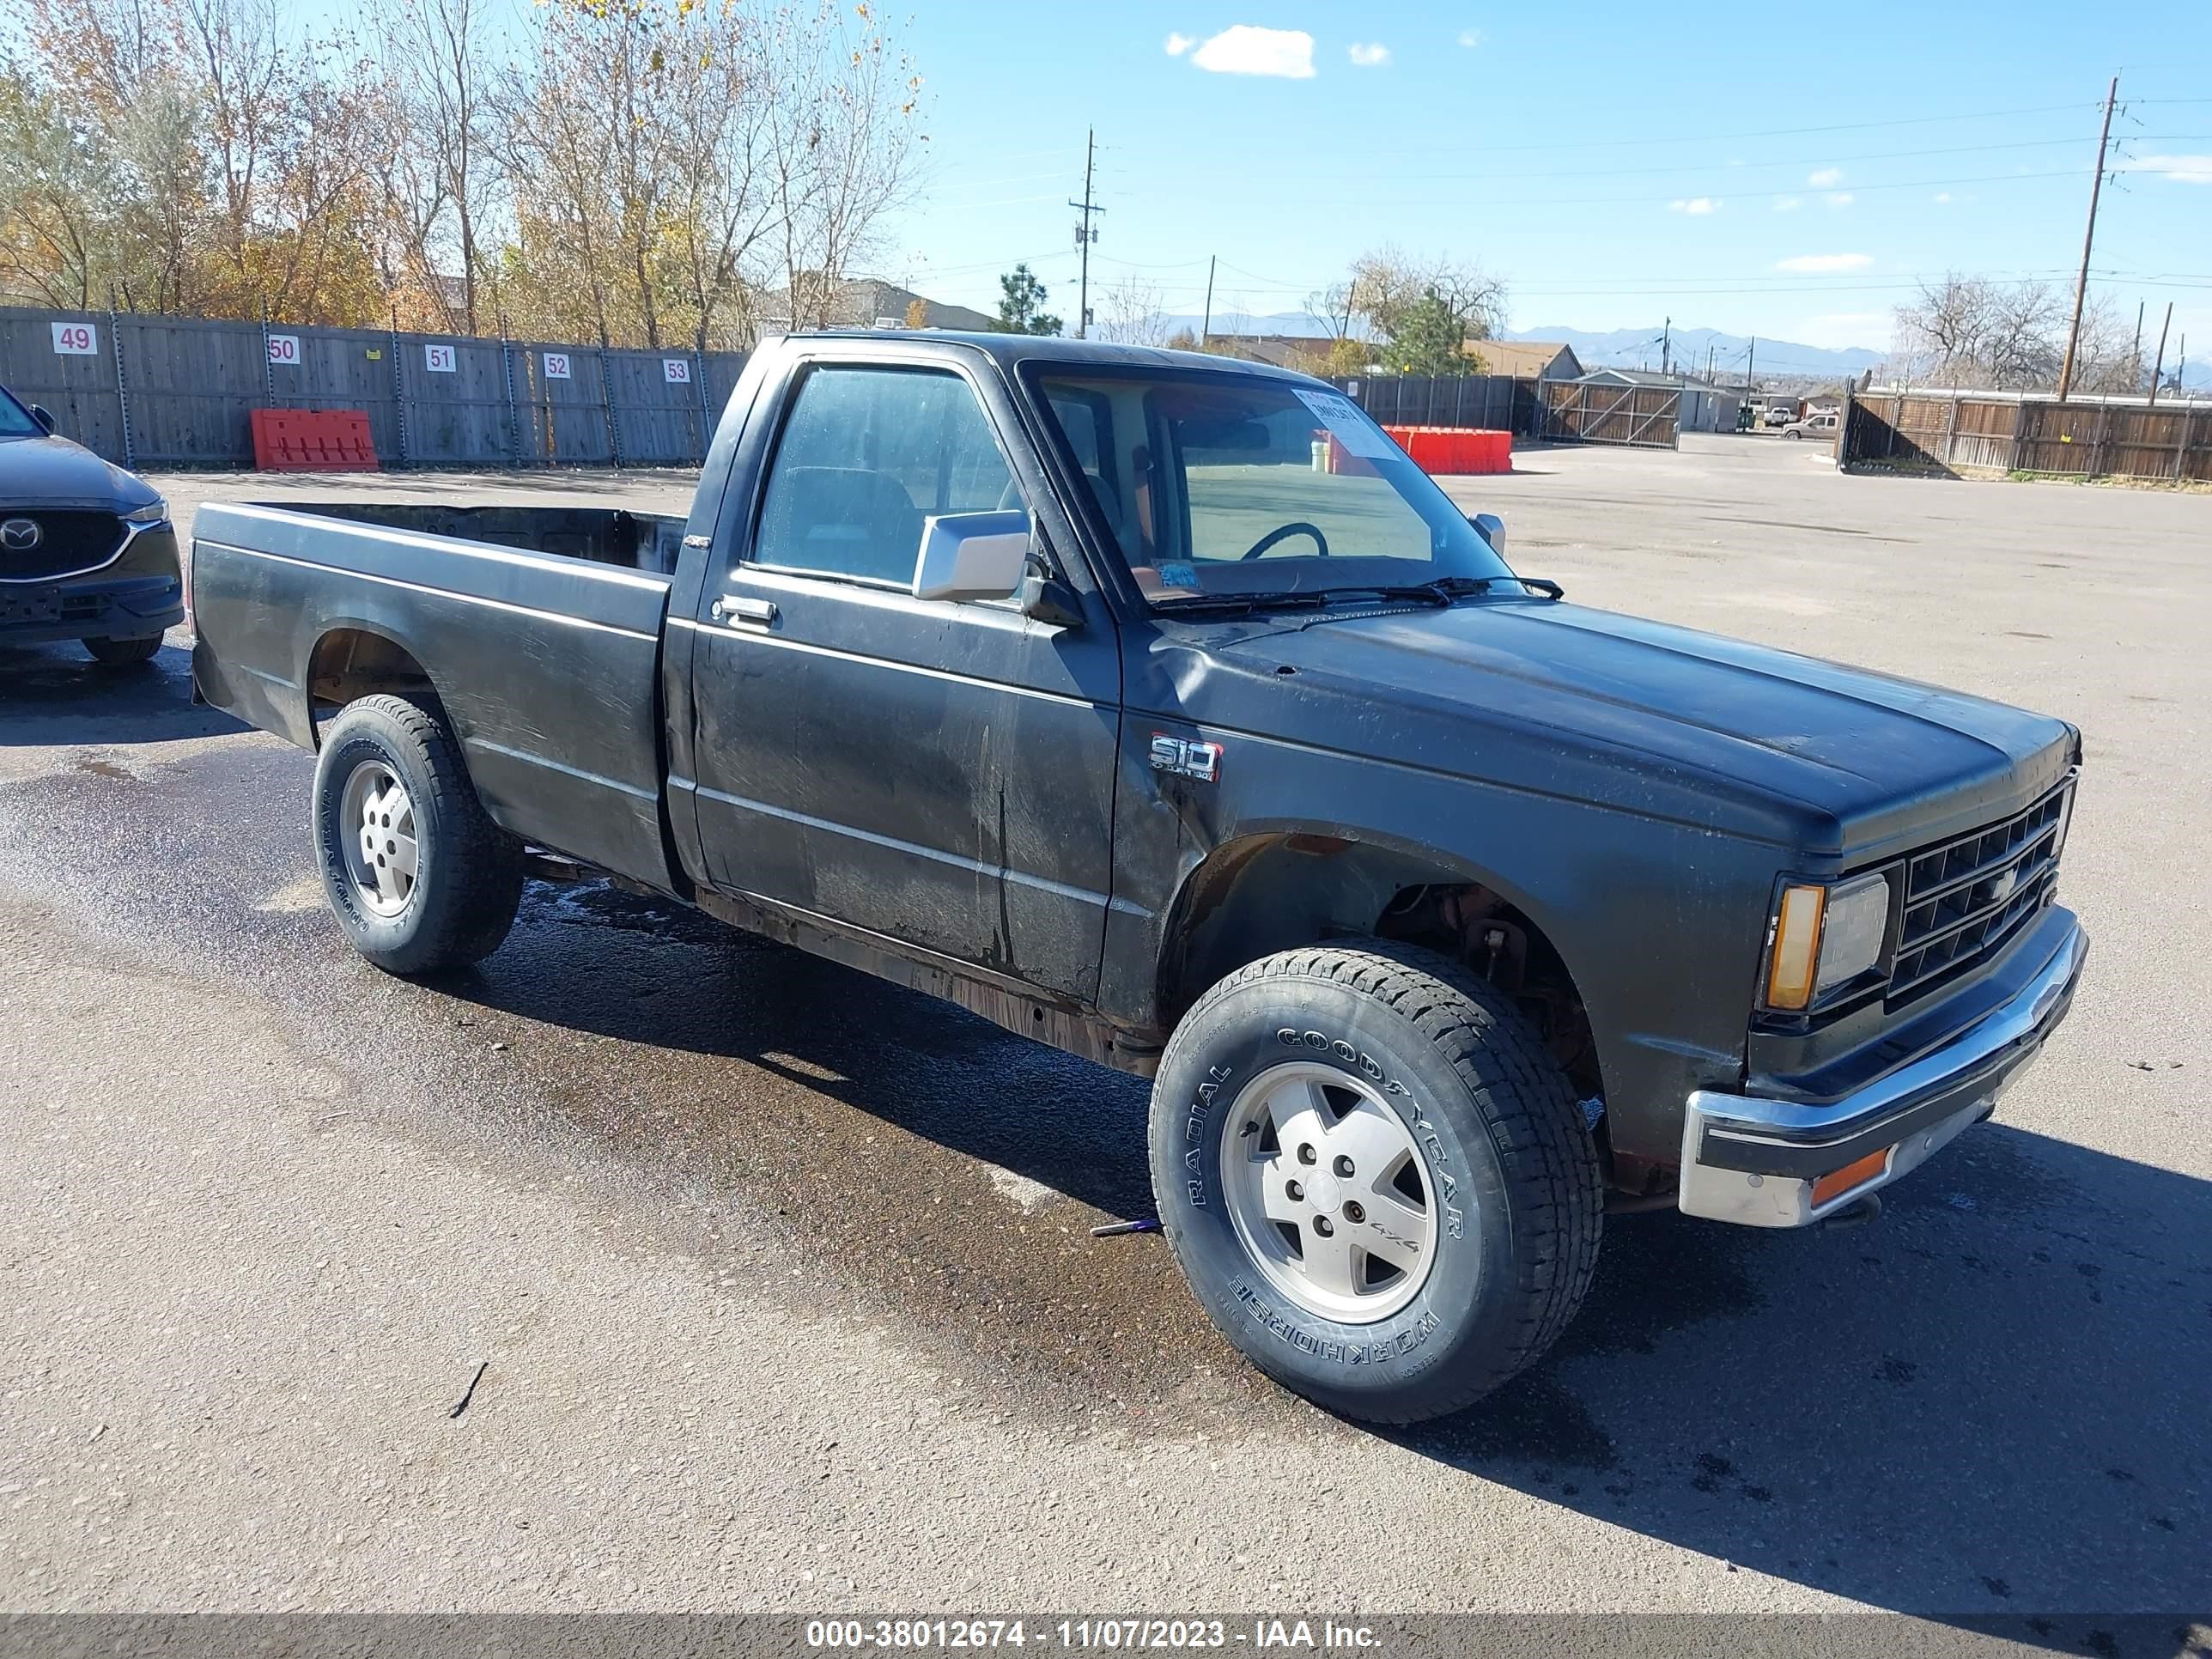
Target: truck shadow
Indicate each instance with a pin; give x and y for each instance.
(1987, 1404)
(55, 693)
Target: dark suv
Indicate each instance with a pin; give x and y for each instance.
(87, 551)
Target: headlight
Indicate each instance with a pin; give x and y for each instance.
(1825, 936)
(153, 513)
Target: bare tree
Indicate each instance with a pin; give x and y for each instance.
(437, 172)
(841, 137)
(1133, 312)
(1970, 331)
(1387, 284)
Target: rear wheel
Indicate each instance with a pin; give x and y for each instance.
(1375, 1177)
(417, 874)
(124, 653)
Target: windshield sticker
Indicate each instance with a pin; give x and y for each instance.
(1175, 573)
(1347, 424)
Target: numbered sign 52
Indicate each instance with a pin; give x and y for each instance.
(677, 369)
(556, 366)
(437, 359)
(284, 349)
(77, 339)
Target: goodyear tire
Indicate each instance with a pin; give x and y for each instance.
(419, 877)
(1376, 1178)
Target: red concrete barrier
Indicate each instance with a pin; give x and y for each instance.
(1455, 449)
(313, 441)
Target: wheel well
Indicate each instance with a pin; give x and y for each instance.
(350, 663)
(1273, 893)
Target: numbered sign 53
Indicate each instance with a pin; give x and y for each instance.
(77, 339)
(284, 349)
(437, 359)
(677, 369)
(556, 366)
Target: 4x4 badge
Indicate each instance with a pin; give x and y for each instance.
(1187, 757)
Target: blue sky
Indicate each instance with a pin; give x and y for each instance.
(1788, 170)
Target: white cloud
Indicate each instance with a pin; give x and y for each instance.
(1825, 179)
(1370, 55)
(1179, 43)
(1787, 203)
(1942, 198)
(1247, 49)
(1839, 198)
(1696, 206)
(1809, 263)
(1470, 37)
(2182, 169)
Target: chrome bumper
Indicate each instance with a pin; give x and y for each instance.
(1754, 1161)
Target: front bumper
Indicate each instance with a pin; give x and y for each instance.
(81, 609)
(1754, 1161)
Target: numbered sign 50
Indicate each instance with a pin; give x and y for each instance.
(284, 349)
(556, 366)
(76, 339)
(439, 359)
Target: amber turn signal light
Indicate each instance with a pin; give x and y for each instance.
(1837, 1183)
(1795, 958)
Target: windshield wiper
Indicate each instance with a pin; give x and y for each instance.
(1444, 591)
(1241, 605)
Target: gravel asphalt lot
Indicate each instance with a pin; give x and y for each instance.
(781, 1277)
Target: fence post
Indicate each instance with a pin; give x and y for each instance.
(122, 393)
(399, 396)
(1951, 432)
(2099, 464)
(506, 374)
(706, 431)
(2181, 444)
(268, 372)
(607, 402)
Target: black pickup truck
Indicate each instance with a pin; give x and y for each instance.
(1160, 708)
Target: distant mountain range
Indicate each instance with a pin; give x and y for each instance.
(1620, 348)
(1691, 349)
(1628, 347)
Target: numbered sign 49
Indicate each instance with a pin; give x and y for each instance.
(76, 339)
(284, 349)
(437, 359)
(556, 366)
(677, 369)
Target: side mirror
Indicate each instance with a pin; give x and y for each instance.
(1492, 529)
(972, 556)
(45, 421)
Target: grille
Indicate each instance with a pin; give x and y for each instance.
(68, 541)
(1963, 900)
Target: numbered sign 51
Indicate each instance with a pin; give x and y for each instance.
(556, 366)
(677, 369)
(284, 349)
(439, 359)
(77, 339)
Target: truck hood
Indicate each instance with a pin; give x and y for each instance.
(55, 472)
(1666, 720)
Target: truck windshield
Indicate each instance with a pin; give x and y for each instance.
(1230, 485)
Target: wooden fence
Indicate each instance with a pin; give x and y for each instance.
(1982, 431)
(162, 392)
(1641, 416)
(1495, 403)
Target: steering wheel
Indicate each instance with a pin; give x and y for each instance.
(1283, 531)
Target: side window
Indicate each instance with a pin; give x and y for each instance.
(865, 455)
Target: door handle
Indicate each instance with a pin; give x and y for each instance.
(739, 612)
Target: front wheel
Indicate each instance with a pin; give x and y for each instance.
(417, 874)
(1375, 1177)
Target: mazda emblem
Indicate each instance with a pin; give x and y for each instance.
(20, 535)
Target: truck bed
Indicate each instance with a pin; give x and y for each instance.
(538, 629)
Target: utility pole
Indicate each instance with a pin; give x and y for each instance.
(1667, 347)
(1205, 328)
(2159, 368)
(1750, 363)
(2088, 238)
(2134, 359)
(1085, 234)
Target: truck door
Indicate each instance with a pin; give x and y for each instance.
(940, 774)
